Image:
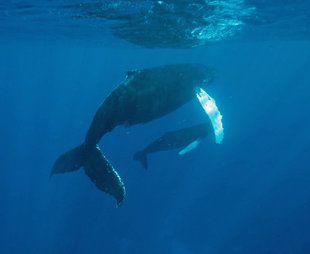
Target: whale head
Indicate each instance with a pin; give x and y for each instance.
(192, 75)
(202, 75)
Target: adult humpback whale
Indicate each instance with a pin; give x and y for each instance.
(187, 137)
(144, 95)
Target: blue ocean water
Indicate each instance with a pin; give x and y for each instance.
(250, 194)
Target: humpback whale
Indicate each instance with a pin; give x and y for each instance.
(143, 96)
(187, 137)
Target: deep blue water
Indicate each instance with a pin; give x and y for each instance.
(250, 194)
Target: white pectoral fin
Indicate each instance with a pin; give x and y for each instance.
(190, 147)
(209, 106)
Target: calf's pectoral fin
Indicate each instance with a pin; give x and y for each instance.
(190, 147)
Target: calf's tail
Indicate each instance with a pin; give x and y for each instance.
(142, 157)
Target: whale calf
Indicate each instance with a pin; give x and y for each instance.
(143, 96)
(187, 137)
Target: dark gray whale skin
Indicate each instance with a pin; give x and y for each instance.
(144, 96)
(174, 140)
(148, 94)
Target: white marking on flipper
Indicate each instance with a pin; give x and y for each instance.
(190, 147)
(209, 105)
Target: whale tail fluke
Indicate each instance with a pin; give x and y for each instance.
(96, 167)
(142, 157)
(69, 161)
(103, 175)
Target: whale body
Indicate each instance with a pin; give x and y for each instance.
(187, 137)
(143, 96)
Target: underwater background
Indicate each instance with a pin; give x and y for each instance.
(250, 194)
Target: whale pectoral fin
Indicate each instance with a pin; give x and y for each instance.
(103, 175)
(209, 106)
(69, 161)
(190, 147)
